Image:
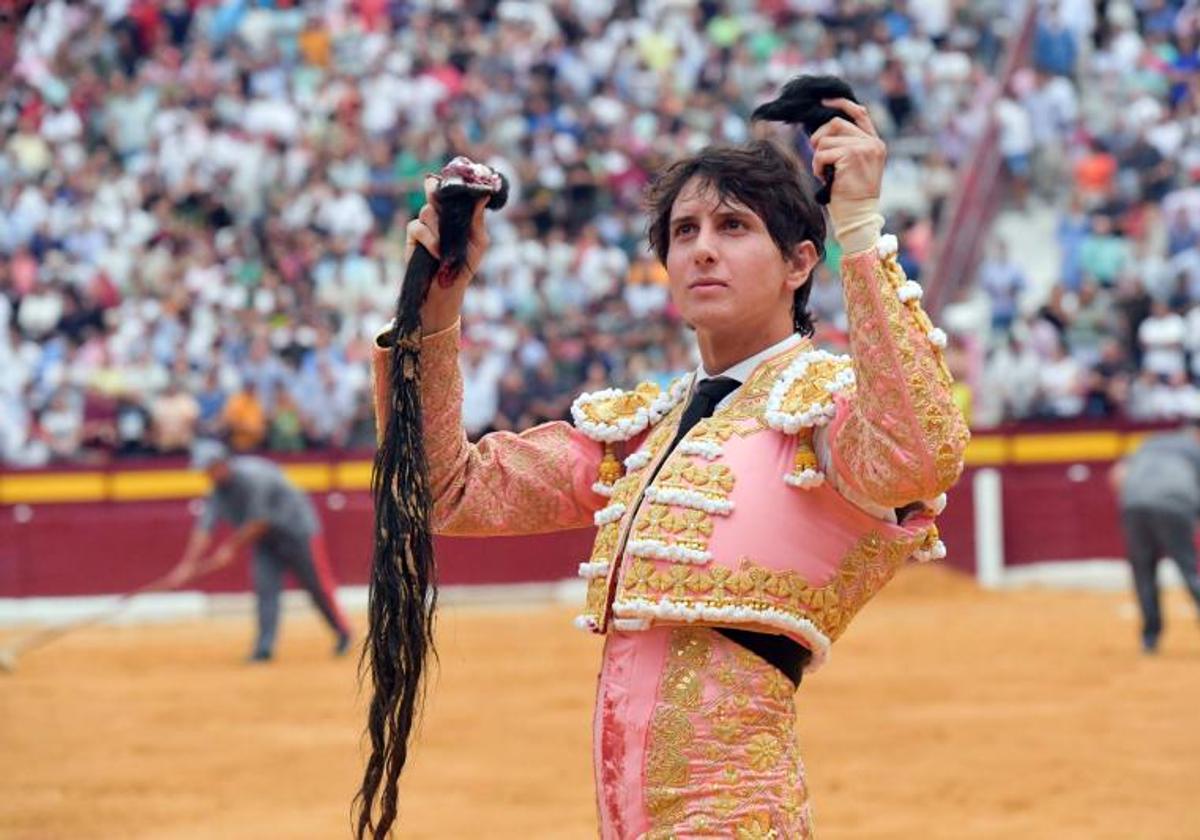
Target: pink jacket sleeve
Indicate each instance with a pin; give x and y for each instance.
(898, 437)
(534, 482)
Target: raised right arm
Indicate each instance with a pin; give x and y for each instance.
(533, 482)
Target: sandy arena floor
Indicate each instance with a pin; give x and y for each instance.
(944, 713)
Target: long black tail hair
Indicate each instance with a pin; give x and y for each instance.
(403, 596)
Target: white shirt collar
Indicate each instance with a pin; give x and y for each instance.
(742, 370)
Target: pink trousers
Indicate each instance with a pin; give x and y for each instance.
(695, 737)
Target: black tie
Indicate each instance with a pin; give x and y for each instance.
(786, 655)
(704, 401)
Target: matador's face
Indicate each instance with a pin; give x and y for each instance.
(726, 272)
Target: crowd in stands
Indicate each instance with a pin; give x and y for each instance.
(1105, 125)
(204, 201)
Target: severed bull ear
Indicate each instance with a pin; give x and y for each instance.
(799, 103)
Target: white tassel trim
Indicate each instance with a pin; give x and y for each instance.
(593, 570)
(910, 291)
(938, 338)
(585, 622)
(937, 552)
(608, 514)
(937, 505)
(661, 551)
(663, 404)
(602, 489)
(631, 625)
(816, 414)
(887, 245)
(673, 611)
(637, 460)
(805, 479)
(626, 427)
(707, 449)
(688, 499)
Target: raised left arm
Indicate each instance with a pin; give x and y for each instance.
(897, 437)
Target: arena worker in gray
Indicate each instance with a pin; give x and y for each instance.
(271, 513)
(1159, 490)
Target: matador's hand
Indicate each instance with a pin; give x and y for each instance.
(853, 149)
(424, 230)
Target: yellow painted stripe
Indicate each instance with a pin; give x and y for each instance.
(986, 450)
(129, 485)
(352, 475)
(53, 487)
(316, 477)
(1069, 446)
(158, 484)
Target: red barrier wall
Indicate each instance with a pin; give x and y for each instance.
(110, 547)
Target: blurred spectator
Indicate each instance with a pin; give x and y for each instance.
(132, 427)
(1107, 389)
(1010, 386)
(1073, 228)
(210, 402)
(1061, 385)
(244, 419)
(1161, 337)
(1134, 304)
(1091, 324)
(1003, 280)
(173, 415)
(61, 425)
(1054, 45)
(1104, 253)
(1017, 144)
(286, 433)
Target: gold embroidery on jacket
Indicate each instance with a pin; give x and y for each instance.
(605, 545)
(623, 405)
(813, 388)
(503, 484)
(597, 598)
(715, 429)
(903, 406)
(688, 528)
(662, 433)
(869, 564)
(713, 480)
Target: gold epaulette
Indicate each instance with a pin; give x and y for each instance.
(615, 415)
(801, 399)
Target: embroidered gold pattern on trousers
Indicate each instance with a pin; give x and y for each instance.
(722, 758)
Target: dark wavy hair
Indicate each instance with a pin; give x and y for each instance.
(765, 177)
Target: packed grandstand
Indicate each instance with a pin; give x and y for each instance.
(204, 202)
